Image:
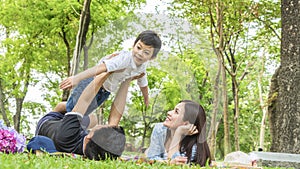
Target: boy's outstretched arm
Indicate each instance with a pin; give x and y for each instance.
(74, 80)
(145, 95)
(96, 70)
(89, 93)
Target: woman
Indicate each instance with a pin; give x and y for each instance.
(182, 136)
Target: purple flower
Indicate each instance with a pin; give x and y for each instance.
(21, 142)
(10, 140)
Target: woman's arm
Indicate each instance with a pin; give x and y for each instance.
(174, 146)
(180, 133)
(156, 150)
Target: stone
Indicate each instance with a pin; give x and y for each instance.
(272, 159)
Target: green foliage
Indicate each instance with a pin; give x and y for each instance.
(177, 78)
(248, 34)
(39, 41)
(40, 37)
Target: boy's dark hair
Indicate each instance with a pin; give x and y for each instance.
(107, 142)
(150, 38)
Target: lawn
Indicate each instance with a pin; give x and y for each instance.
(24, 160)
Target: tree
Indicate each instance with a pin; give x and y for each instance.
(84, 22)
(40, 40)
(226, 29)
(140, 119)
(284, 110)
(231, 26)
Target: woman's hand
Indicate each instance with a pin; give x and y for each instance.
(188, 129)
(179, 160)
(180, 132)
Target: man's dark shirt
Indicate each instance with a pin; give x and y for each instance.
(67, 133)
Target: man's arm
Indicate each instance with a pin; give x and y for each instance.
(118, 105)
(89, 93)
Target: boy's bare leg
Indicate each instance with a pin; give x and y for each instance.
(60, 107)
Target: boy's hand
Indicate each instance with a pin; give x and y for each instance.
(113, 55)
(68, 83)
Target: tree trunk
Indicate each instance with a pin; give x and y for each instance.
(284, 110)
(263, 107)
(143, 137)
(236, 114)
(219, 53)
(85, 58)
(86, 53)
(100, 114)
(66, 93)
(20, 100)
(80, 42)
(213, 125)
(227, 147)
(81, 35)
(17, 116)
(2, 107)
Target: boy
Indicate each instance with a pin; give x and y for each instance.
(124, 65)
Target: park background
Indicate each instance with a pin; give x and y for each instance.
(221, 54)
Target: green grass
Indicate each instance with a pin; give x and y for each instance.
(16, 161)
(24, 160)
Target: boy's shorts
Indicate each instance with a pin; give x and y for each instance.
(101, 96)
(58, 116)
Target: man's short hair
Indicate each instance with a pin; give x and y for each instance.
(107, 142)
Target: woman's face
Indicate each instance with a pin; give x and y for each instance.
(175, 117)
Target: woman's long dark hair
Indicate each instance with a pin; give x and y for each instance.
(195, 114)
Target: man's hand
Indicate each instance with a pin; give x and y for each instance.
(138, 76)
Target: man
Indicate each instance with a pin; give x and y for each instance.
(69, 135)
